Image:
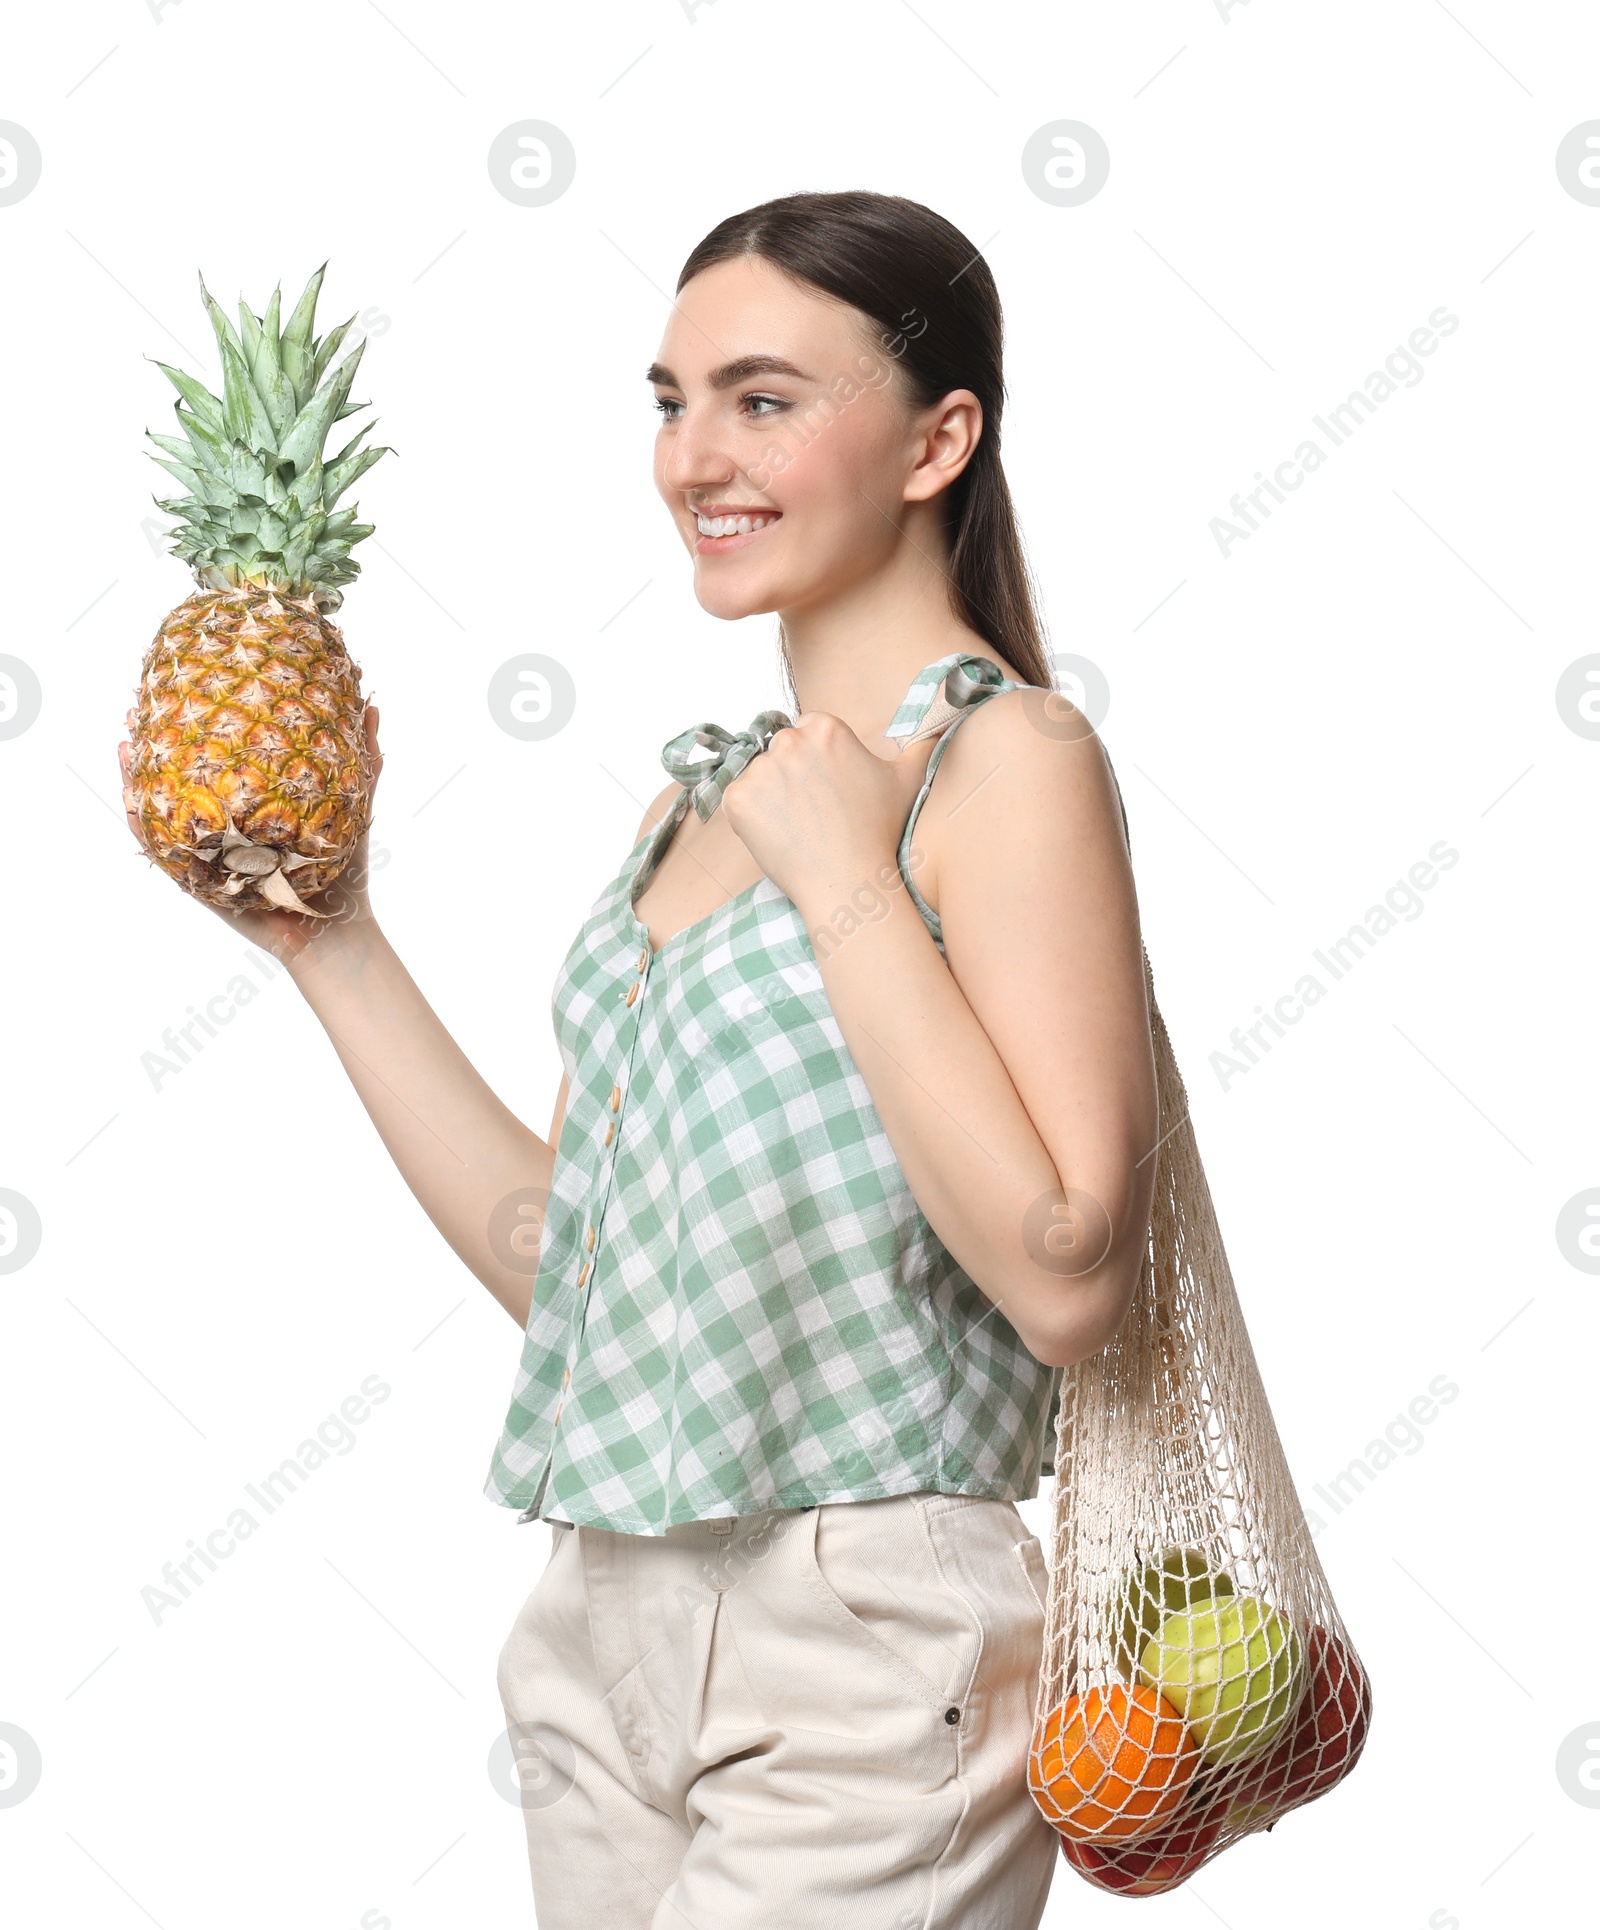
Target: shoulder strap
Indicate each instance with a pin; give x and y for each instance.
(970, 683)
(966, 685)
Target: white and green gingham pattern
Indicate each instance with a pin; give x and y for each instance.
(739, 1305)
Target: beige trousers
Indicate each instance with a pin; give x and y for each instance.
(811, 1718)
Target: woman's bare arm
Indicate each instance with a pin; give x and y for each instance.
(461, 1151)
(1014, 1076)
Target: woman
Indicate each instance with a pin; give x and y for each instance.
(848, 1161)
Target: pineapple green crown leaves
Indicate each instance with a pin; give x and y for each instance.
(261, 508)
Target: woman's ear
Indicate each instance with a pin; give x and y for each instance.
(952, 430)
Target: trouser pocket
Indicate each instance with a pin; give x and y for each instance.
(877, 1567)
(1030, 1555)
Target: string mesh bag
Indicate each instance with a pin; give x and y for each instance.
(1198, 1681)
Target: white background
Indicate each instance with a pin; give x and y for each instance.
(226, 1257)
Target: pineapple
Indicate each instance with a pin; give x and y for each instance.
(249, 770)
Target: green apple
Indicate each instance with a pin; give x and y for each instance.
(1233, 1670)
(1178, 1579)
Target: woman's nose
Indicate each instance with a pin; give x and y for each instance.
(695, 457)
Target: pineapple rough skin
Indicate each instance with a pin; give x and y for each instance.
(249, 730)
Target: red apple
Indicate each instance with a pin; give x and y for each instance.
(1324, 1739)
(1155, 1863)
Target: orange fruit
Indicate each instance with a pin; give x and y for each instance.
(1112, 1763)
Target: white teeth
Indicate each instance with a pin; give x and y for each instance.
(730, 525)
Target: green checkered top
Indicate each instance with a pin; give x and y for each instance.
(739, 1305)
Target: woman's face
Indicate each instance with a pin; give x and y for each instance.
(784, 411)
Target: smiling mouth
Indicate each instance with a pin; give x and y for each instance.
(716, 535)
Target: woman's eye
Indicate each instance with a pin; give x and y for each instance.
(671, 409)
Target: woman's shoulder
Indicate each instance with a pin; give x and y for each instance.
(1036, 740)
(657, 809)
(1024, 784)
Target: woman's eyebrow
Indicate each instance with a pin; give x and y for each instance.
(730, 372)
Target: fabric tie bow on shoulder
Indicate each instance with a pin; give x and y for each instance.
(705, 759)
(940, 694)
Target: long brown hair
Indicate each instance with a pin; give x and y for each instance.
(933, 297)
